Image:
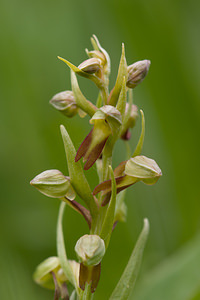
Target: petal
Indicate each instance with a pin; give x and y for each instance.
(94, 155)
(84, 147)
(122, 183)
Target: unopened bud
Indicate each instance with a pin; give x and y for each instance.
(65, 103)
(90, 249)
(137, 72)
(53, 183)
(43, 272)
(91, 65)
(143, 168)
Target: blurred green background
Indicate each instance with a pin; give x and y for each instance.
(33, 33)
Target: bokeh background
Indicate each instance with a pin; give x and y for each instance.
(33, 33)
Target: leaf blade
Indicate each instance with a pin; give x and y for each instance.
(129, 276)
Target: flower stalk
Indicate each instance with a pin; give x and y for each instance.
(111, 118)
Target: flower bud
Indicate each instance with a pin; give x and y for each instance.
(91, 65)
(43, 273)
(54, 184)
(137, 72)
(90, 249)
(65, 103)
(143, 168)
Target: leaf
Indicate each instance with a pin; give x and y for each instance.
(122, 71)
(139, 146)
(81, 101)
(61, 247)
(77, 177)
(110, 214)
(176, 278)
(129, 276)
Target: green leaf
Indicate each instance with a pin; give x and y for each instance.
(81, 101)
(128, 278)
(110, 214)
(61, 247)
(122, 71)
(139, 146)
(77, 177)
(121, 104)
(176, 278)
